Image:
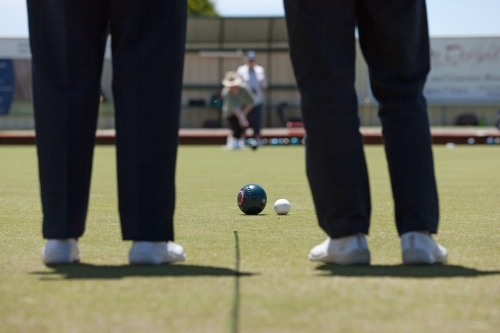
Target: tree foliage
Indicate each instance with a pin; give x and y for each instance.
(201, 8)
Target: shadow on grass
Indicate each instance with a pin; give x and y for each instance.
(260, 214)
(88, 271)
(403, 271)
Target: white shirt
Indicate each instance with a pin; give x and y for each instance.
(255, 78)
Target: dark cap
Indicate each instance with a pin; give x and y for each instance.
(251, 55)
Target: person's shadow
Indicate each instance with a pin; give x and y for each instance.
(89, 271)
(402, 271)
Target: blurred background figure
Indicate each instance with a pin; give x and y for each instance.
(255, 76)
(238, 101)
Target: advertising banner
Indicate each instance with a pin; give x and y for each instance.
(464, 70)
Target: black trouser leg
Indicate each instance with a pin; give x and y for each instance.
(148, 53)
(394, 39)
(67, 41)
(255, 120)
(322, 50)
(235, 127)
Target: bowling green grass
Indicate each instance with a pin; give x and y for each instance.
(278, 289)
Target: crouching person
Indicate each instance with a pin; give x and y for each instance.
(238, 101)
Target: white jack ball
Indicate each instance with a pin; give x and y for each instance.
(281, 206)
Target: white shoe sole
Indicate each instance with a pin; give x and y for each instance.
(147, 259)
(417, 257)
(144, 260)
(60, 261)
(356, 257)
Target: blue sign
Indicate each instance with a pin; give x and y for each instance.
(6, 85)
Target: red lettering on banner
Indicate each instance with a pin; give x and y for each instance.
(456, 54)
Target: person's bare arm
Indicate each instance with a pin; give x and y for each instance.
(248, 108)
(242, 117)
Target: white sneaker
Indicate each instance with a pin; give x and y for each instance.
(350, 250)
(238, 144)
(235, 145)
(60, 251)
(155, 253)
(419, 248)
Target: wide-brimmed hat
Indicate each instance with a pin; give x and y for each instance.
(231, 79)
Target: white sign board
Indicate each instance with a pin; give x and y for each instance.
(464, 70)
(15, 48)
(19, 48)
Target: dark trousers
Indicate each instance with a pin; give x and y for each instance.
(67, 41)
(255, 119)
(234, 123)
(394, 39)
